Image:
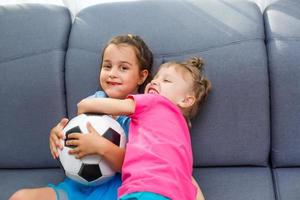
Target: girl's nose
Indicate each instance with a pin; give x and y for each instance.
(154, 82)
(112, 73)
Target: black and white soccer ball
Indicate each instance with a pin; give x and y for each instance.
(91, 169)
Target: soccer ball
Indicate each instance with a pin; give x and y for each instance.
(91, 169)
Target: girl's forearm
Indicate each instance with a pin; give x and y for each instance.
(114, 155)
(86, 106)
(106, 105)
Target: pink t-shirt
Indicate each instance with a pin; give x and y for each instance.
(158, 155)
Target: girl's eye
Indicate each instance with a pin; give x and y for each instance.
(124, 68)
(106, 67)
(167, 81)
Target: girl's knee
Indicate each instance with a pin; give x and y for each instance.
(19, 195)
(32, 194)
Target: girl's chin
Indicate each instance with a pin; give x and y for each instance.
(115, 94)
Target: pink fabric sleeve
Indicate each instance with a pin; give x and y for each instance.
(142, 102)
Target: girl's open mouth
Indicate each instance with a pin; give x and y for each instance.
(152, 91)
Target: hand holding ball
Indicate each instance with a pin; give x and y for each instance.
(92, 169)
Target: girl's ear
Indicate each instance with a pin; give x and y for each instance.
(188, 101)
(143, 75)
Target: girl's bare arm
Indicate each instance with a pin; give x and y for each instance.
(113, 154)
(107, 106)
(101, 146)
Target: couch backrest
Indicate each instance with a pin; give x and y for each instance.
(233, 127)
(282, 21)
(33, 42)
(91, 30)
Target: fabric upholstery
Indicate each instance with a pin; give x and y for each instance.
(15, 179)
(33, 42)
(235, 183)
(287, 183)
(245, 138)
(283, 34)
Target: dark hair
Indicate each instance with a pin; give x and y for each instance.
(143, 53)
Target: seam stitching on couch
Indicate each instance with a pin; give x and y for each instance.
(292, 39)
(7, 60)
(189, 51)
(275, 185)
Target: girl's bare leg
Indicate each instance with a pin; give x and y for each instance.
(45, 193)
(199, 192)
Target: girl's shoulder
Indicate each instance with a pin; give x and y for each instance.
(124, 121)
(99, 94)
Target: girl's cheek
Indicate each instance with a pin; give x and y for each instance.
(103, 77)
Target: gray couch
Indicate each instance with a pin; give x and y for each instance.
(246, 137)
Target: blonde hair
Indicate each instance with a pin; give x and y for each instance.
(201, 85)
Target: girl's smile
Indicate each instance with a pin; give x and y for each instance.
(152, 90)
(120, 73)
(112, 83)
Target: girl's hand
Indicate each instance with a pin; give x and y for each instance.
(56, 135)
(87, 144)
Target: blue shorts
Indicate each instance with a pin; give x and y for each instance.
(143, 196)
(71, 190)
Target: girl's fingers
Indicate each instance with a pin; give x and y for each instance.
(63, 122)
(79, 156)
(77, 153)
(55, 144)
(56, 141)
(56, 135)
(60, 135)
(76, 150)
(59, 144)
(53, 150)
(52, 145)
(90, 128)
(72, 143)
(74, 136)
(72, 151)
